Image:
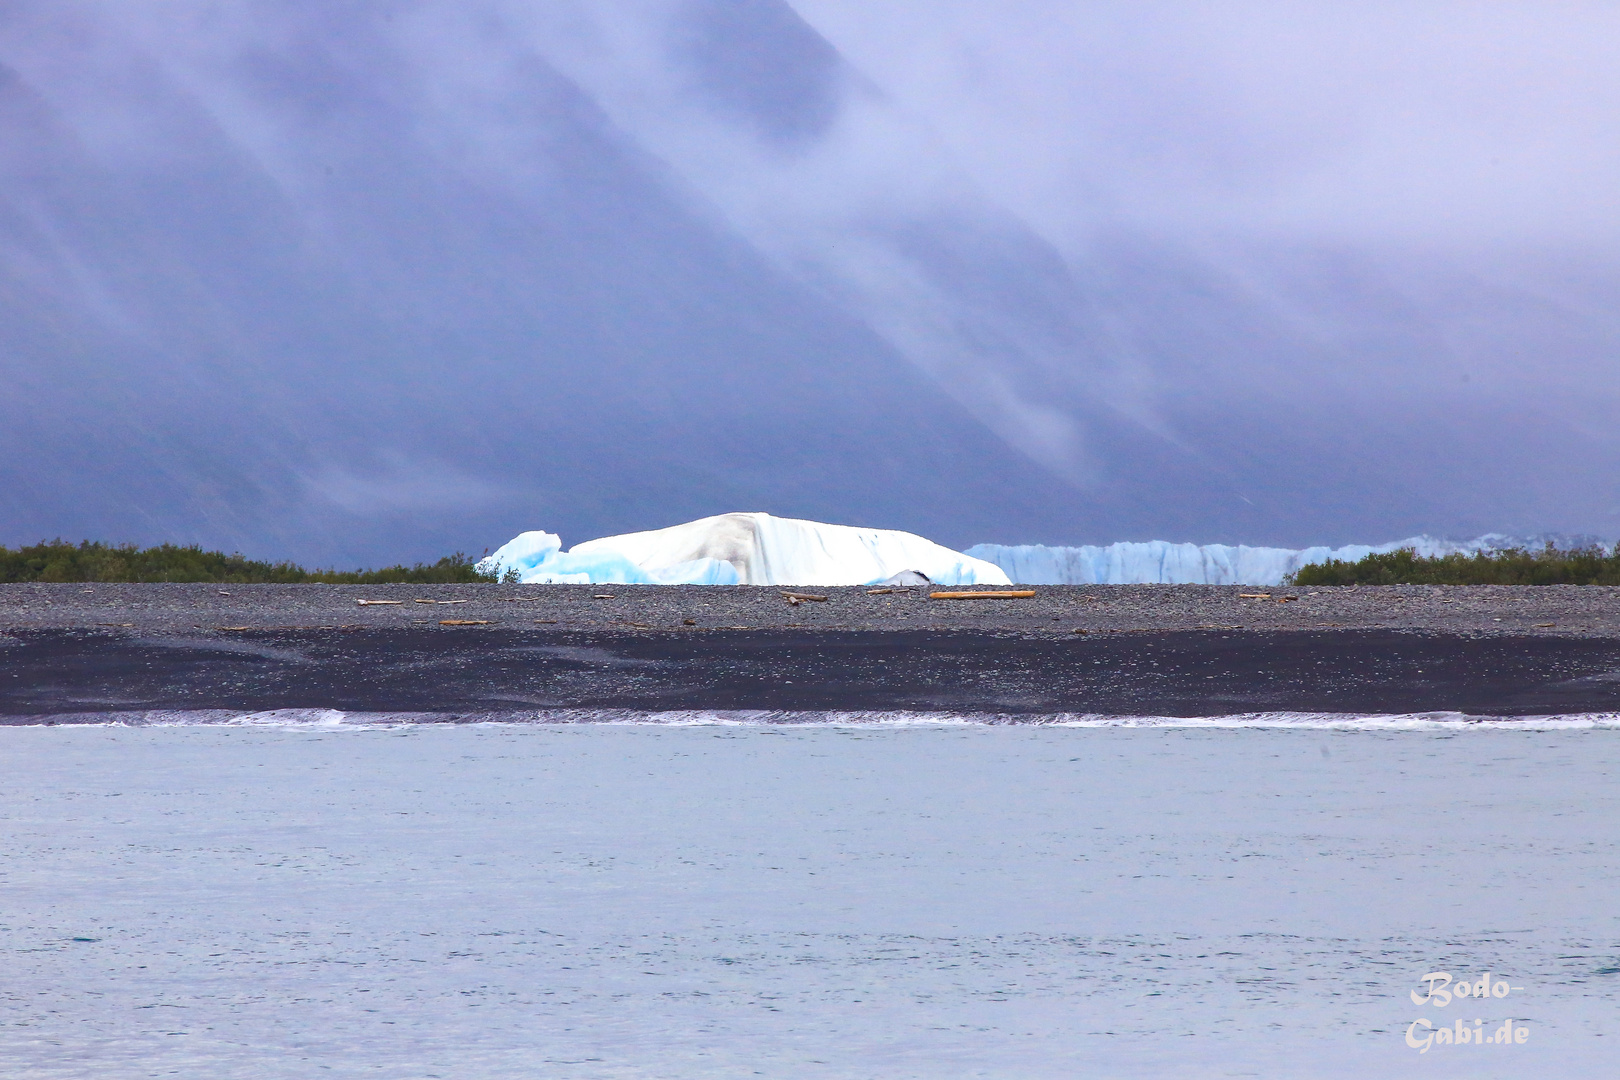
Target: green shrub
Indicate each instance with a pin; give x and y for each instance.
(1511, 566)
(60, 560)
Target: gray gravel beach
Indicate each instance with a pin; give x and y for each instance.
(1563, 611)
(481, 651)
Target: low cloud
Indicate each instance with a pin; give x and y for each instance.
(1260, 273)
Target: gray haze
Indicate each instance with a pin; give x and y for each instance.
(365, 281)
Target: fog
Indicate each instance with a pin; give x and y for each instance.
(359, 282)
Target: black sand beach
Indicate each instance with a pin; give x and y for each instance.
(477, 650)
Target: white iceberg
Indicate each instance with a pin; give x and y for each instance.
(1158, 562)
(739, 549)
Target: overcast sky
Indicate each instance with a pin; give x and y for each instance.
(368, 280)
(1453, 125)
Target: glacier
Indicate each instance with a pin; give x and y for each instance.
(739, 549)
(760, 549)
(1160, 562)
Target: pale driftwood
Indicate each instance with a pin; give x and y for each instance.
(367, 603)
(1000, 594)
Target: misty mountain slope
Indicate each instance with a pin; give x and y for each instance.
(393, 356)
(1346, 388)
(1262, 388)
(373, 281)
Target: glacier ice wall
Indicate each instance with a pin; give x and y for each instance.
(739, 549)
(1159, 562)
(759, 549)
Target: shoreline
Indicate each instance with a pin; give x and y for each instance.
(1144, 650)
(500, 670)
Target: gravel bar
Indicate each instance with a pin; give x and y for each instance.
(1553, 610)
(72, 653)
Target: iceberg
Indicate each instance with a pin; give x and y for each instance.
(1159, 562)
(537, 558)
(739, 549)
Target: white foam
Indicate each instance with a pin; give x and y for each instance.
(330, 719)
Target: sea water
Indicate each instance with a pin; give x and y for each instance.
(861, 895)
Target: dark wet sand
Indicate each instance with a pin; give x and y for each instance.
(1160, 650)
(58, 673)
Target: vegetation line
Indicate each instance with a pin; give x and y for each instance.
(1511, 566)
(60, 560)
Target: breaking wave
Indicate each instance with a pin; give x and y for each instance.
(328, 719)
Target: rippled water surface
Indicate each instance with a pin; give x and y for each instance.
(291, 895)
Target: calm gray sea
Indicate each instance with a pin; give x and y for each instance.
(299, 895)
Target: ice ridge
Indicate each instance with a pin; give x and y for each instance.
(1160, 562)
